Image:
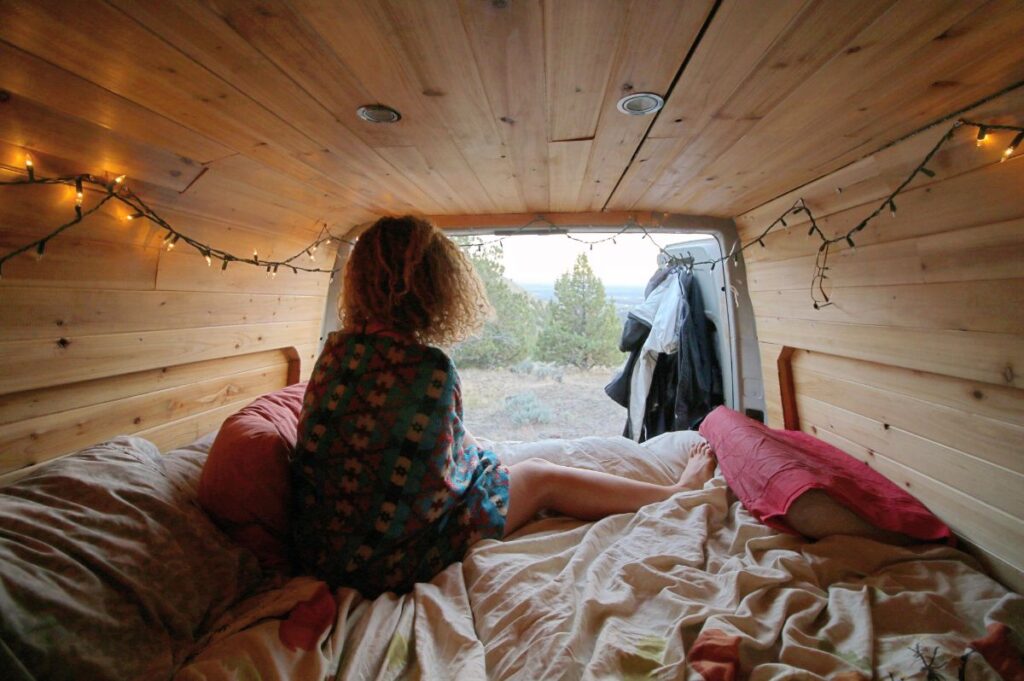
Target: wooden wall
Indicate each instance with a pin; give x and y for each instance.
(111, 334)
(918, 366)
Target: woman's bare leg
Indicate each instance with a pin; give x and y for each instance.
(589, 495)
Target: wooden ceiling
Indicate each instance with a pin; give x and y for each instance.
(244, 110)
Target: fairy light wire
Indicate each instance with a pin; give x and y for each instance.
(117, 189)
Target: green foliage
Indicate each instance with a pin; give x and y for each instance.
(580, 326)
(525, 409)
(511, 335)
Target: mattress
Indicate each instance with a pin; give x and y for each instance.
(689, 588)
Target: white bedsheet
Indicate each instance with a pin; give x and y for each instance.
(627, 597)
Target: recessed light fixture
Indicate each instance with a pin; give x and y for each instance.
(378, 113)
(640, 104)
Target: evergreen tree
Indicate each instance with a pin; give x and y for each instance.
(581, 327)
(511, 335)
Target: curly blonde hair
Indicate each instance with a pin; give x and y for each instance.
(407, 276)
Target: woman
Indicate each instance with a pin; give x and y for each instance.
(388, 486)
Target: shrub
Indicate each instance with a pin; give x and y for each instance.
(525, 409)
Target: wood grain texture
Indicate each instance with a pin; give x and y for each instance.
(970, 469)
(21, 406)
(68, 359)
(43, 313)
(258, 101)
(31, 441)
(915, 367)
(990, 531)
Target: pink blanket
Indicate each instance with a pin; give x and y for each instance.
(768, 469)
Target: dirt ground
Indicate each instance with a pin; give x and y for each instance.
(499, 403)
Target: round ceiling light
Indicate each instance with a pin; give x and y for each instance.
(640, 104)
(378, 113)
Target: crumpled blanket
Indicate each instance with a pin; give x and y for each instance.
(689, 588)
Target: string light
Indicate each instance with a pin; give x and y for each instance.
(115, 184)
(1008, 152)
(819, 296)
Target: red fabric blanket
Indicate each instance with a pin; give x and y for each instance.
(768, 469)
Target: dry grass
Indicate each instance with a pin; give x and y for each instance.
(576, 405)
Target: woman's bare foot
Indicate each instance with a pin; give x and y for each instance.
(699, 469)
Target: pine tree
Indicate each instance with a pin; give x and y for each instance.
(581, 327)
(511, 335)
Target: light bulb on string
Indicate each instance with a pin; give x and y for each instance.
(172, 243)
(30, 167)
(209, 258)
(1008, 152)
(79, 196)
(982, 134)
(133, 216)
(115, 184)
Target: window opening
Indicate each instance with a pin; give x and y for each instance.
(539, 368)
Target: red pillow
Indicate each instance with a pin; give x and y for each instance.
(245, 482)
(768, 469)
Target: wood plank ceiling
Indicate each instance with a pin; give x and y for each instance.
(244, 110)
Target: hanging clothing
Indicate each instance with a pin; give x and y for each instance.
(671, 379)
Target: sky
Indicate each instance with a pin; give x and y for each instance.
(631, 260)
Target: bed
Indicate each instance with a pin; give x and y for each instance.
(690, 588)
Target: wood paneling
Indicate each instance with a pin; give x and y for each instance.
(258, 101)
(77, 358)
(43, 313)
(915, 367)
(33, 440)
(31, 404)
(171, 406)
(996, 537)
(803, 108)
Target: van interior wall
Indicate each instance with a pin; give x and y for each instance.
(916, 367)
(110, 333)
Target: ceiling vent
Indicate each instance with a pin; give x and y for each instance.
(640, 104)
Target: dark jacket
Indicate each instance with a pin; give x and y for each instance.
(687, 383)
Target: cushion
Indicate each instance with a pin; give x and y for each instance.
(109, 569)
(245, 482)
(770, 469)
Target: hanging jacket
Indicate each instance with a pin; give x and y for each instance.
(671, 379)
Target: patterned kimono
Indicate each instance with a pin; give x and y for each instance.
(385, 492)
